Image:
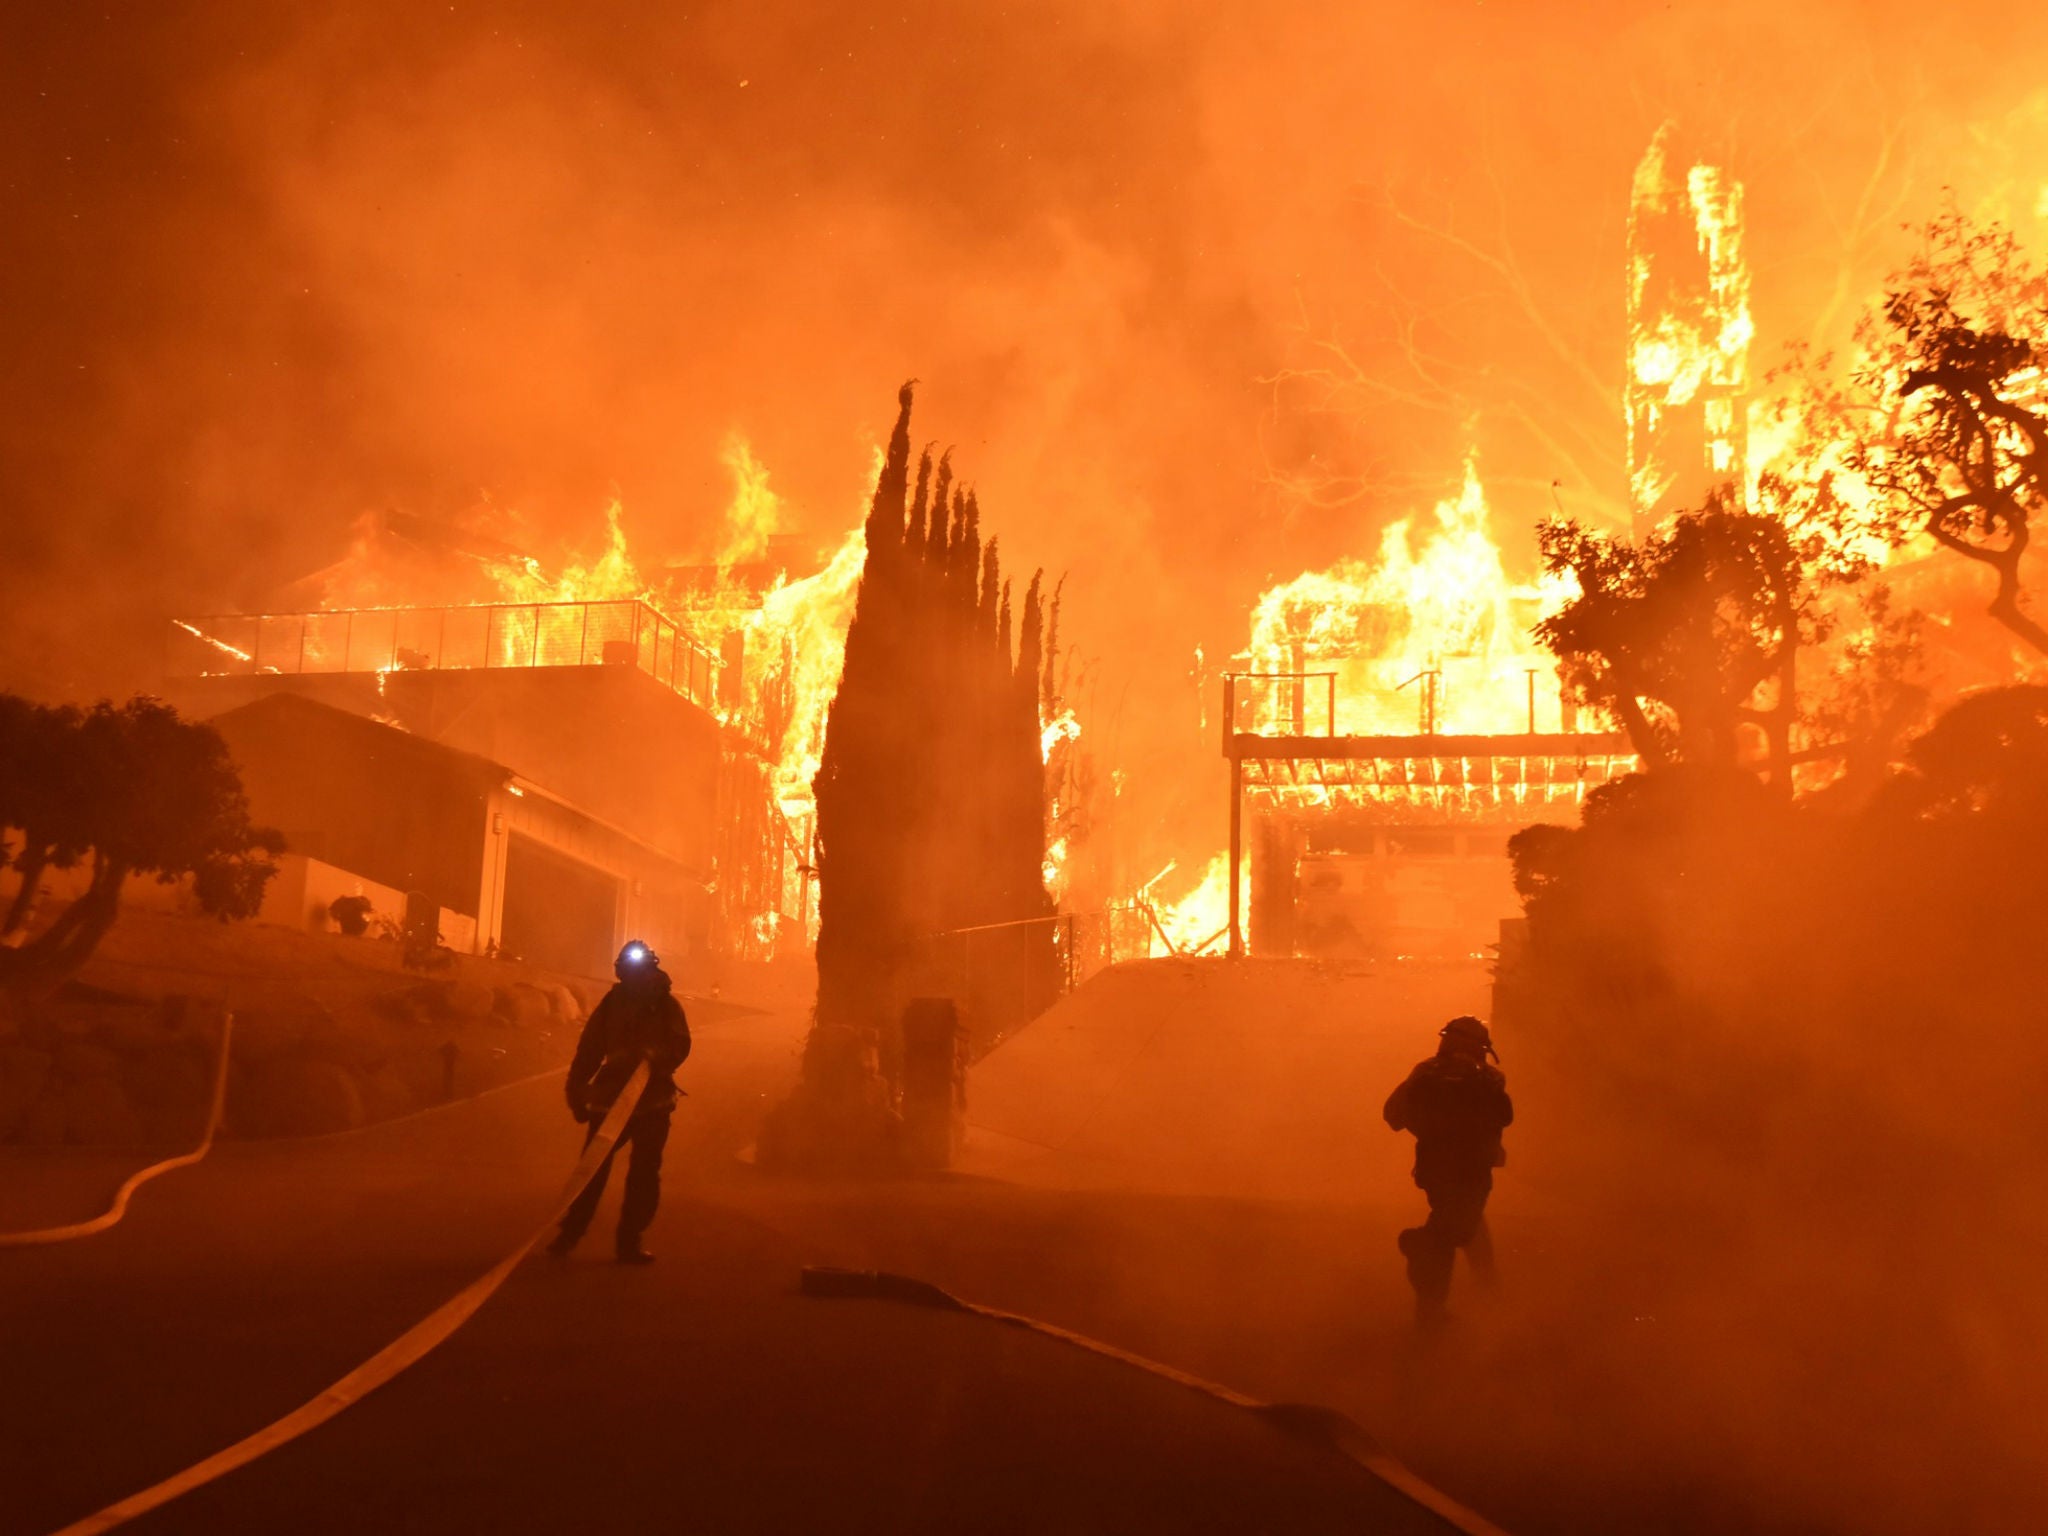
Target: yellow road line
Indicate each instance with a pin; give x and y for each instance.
(410, 1346)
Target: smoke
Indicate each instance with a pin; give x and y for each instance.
(1205, 295)
(268, 271)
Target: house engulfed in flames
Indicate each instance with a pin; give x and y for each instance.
(1393, 722)
(571, 761)
(1392, 726)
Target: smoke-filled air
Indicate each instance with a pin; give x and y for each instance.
(1127, 767)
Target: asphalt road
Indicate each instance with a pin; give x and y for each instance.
(701, 1394)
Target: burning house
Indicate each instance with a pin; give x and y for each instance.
(1689, 327)
(1392, 722)
(1392, 725)
(550, 775)
(553, 772)
(1372, 845)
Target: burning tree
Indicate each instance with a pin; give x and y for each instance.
(122, 791)
(1941, 429)
(930, 797)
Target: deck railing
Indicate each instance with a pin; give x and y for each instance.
(616, 632)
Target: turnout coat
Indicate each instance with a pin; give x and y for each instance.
(635, 1021)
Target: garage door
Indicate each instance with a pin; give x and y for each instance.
(559, 911)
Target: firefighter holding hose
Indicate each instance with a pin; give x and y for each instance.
(638, 1020)
(1456, 1104)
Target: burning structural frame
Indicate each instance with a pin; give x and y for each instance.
(1469, 780)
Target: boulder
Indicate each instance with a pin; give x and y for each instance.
(567, 1007)
(421, 1076)
(78, 1060)
(171, 1090)
(133, 1033)
(419, 1003)
(296, 1097)
(387, 1095)
(356, 1043)
(468, 1000)
(265, 1035)
(97, 1114)
(24, 1075)
(524, 1006)
(192, 1022)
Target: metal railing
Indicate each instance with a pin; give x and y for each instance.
(981, 967)
(613, 632)
(1085, 942)
(1279, 699)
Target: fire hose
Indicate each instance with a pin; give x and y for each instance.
(119, 1208)
(409, 1347)
(1310, 1422)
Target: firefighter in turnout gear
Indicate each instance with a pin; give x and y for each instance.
(1457, 1105)
(638, 1020)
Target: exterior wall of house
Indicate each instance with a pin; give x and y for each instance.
(608, 739)
(400, 783)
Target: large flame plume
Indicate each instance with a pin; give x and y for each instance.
(1431, 635)
(1690, 331)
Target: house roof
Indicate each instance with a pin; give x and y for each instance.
(291, 719)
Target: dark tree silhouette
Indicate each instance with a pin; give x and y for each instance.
(127, 790)
(1872, 696)
(930, 795)
(1686, 636)
(1987, 756)
(1944, 417)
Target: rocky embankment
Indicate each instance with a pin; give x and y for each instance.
(329, 1034)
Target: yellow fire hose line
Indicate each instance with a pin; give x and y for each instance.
(414, 1344)
(1325, 1426)
(114, 1212)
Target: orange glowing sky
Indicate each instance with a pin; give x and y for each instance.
(267, 270)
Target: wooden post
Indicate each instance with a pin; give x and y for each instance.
(934, 1082)
(1236, 853)
(1299, 689)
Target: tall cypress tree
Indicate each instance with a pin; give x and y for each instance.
(862, 819)
(931, 813)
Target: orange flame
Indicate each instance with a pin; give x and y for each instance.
(1690, 330)
(611, 575)
(1432, 635)
(755, 512)
(806, 620)
(1199, 922)
(1056, 737)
